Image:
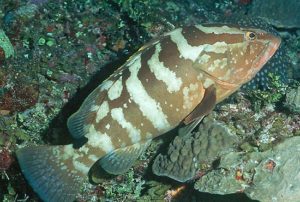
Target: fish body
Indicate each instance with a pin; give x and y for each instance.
(176, 78)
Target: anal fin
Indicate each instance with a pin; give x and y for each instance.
(120, 160)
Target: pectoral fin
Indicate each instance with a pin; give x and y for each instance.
(189, 128)
(120, 160)
(205, 107)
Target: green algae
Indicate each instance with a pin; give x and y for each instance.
(155, 191)
(10, 133)
(129, 186)
(6, 45)
(273, 95)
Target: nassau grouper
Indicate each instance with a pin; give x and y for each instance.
(177, 78)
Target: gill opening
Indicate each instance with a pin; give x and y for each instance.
(224, 84)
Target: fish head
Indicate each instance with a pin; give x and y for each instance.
(278, 65)
(260, 47)
(238, 53)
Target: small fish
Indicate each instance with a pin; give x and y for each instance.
(177, 78)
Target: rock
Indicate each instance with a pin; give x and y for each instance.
(276, 170)
(292, 101)
(23, 13)
(283, 14)
(188, 154)
(212, 182)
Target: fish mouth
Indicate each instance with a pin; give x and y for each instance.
(272, 45)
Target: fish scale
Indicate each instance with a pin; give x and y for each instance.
(177, 78)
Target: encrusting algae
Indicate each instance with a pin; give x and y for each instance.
(188, 71)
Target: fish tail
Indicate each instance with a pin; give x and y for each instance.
(47, 173)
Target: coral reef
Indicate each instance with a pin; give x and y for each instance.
(191, 153)
(53, 53)
(18, 95)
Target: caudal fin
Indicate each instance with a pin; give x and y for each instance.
(47, 174)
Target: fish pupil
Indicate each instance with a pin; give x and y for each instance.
(252, 35)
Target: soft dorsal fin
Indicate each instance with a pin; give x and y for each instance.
(120, 160)
(205, 107)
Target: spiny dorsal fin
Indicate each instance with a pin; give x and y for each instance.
(76, 121)
(120, 160)
(205, 107)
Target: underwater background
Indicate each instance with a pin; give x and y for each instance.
(53, 53)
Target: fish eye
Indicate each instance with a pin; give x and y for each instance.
(250, 36)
